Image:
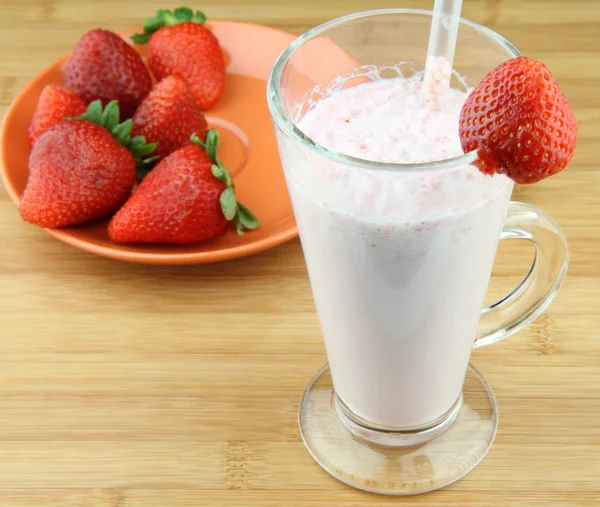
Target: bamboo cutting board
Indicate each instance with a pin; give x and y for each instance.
(137, 386)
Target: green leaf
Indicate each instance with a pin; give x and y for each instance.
(139, 147)
(137, 141)
(142, 151)
(141, 38)
(220, 173)
(223, 173)
(153, 158)
(152, 24)
(107, 117)
(165, 17)
(169, 18)
(110, 116)
(244, 218)
(199, 18)
(212, 143)
(122, 132)
(248, 219)
(147, 149)
(184, 13)
(228, 203)
(93, 113)
(196, 140)
(239, 226)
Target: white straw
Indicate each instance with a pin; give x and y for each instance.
(440, 52)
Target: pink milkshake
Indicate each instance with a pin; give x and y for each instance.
(399, 260)
(399, 231)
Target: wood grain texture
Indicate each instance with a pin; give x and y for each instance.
(139, 386)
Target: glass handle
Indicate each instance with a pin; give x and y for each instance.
(539, 287)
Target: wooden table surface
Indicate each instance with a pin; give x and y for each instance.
(124, 385)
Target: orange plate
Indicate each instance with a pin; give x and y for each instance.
(247, 147)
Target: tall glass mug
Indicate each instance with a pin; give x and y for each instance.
(399, 258)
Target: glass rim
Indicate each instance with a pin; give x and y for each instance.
(288, 126)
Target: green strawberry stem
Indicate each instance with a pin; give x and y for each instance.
(232, 209)
(165, 17)
(109, 119)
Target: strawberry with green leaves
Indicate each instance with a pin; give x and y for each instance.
(56, 103)
(519, 122)
(169, 116)
(83, 168)
(179, 43)
(189, 197)
(103, 66)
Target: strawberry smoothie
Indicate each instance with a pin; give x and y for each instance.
(399, 260)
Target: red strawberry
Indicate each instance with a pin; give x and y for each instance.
(80, 170)
(169, 116)
(180, 44)
(103, 66)
(54, 105)
(188, 197)
(519, 122)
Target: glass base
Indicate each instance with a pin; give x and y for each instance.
(408, 462)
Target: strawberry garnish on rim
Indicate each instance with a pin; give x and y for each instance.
(519, 122)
